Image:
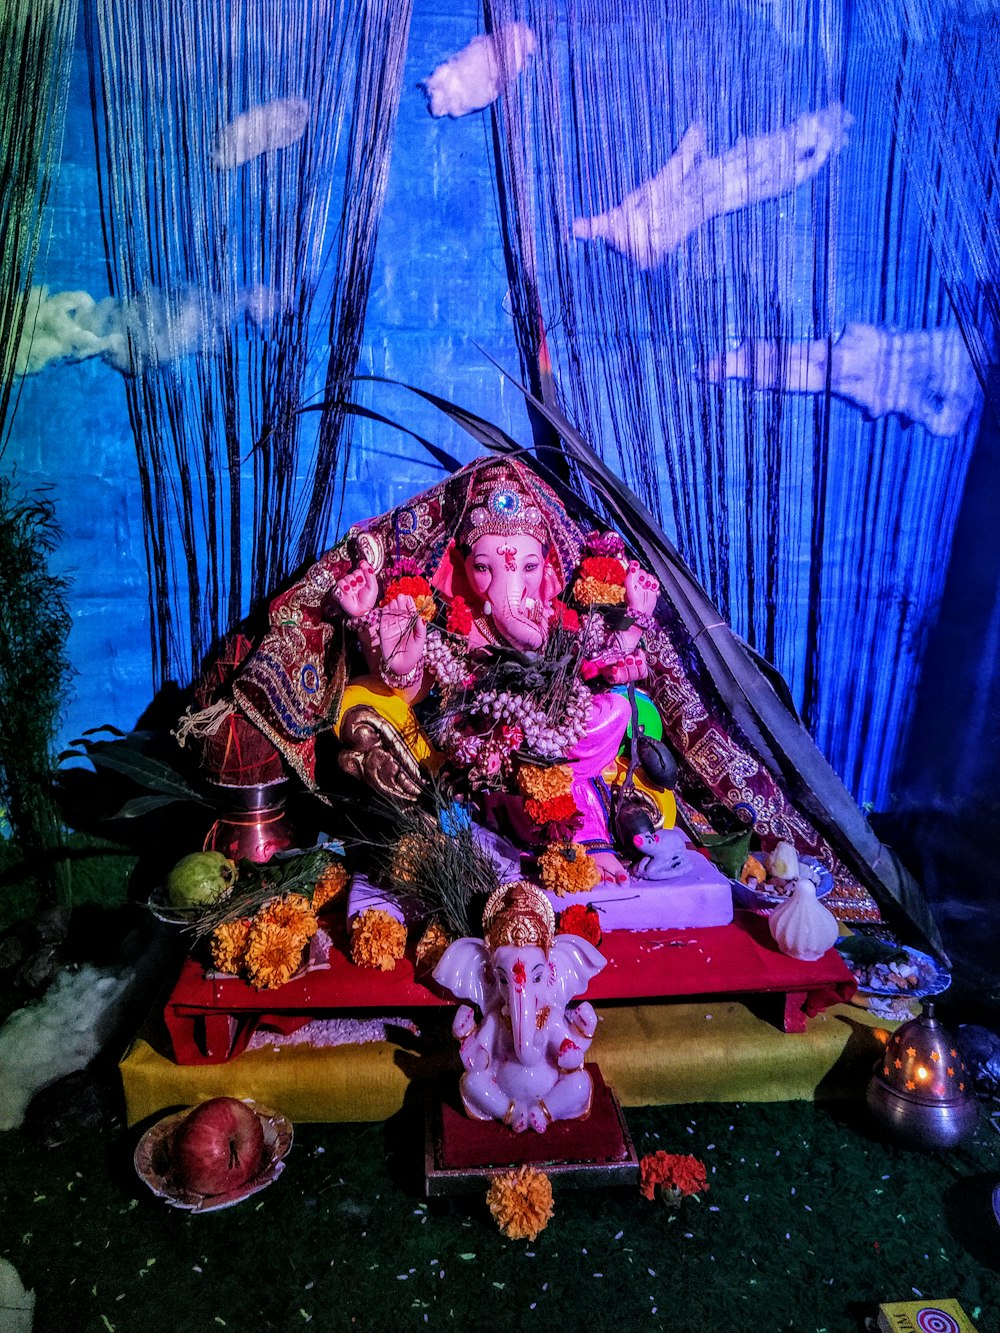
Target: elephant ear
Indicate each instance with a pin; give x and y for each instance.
(576, 963)
(464, 971)
(552, 583)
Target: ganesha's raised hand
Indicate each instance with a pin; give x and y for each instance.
(627, 668)
(641, 589)
(402, 636)
(464, 1023)
(357, 592)
(583, 1019)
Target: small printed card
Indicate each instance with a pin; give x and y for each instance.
(923, 1316)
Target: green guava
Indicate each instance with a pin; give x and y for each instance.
(200, 879)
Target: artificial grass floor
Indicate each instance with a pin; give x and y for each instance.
(809, 1222)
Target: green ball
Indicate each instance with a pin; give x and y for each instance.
(650, 722)
(200, 879)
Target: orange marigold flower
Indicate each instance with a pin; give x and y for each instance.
(554, 809)
(677, 1173)
(291, 911)
(542, 784)
(330, 885)
(521, 1202)
(228, 945)
(377, 939)
(603, 569)
(567, 867)
(431, 945)
(415, 586)
(409, 855)
(595, 592)
(272, 956)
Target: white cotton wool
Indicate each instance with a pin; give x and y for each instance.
(150, 329)
(262, 129)
(58, 1034)
(476, 76)
(656, 218)
(17, 1306)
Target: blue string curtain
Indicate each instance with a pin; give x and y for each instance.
(760, 317)
(36, 51)
(243, 150)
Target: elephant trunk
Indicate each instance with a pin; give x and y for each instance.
(519, 618)
(523, 1026)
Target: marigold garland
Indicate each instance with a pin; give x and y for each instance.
(567, 867)
(675, 1174)
(543, 784)
(330, 886)
(597, 592)
(409, 855)
(272, 956)
(583, 920)
(228, 944)
(521, 1202)
(377, 939)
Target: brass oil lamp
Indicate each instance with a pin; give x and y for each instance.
(920, 1091)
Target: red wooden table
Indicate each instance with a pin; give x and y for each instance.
(210, 1019)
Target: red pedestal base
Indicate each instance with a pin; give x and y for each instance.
(462, 1154)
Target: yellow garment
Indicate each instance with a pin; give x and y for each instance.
(370, 690)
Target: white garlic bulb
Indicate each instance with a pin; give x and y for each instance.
(783, 862)
(802, 927)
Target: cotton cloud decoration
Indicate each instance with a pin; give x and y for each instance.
(476, 76)
(655, 219)
(924, 375)
(149, 330)
(261, 129)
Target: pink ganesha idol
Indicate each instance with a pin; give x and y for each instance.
(511, 551)
(523, 1059)
(505, 564)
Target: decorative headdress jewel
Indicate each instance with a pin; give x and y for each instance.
(519, 914)
(500, 506)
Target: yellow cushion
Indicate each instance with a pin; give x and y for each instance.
(652, 1055)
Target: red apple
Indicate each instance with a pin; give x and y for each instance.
(217, 1147)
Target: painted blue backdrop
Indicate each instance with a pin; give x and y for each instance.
(439, 293)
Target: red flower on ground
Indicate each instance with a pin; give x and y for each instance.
(678, 1173)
